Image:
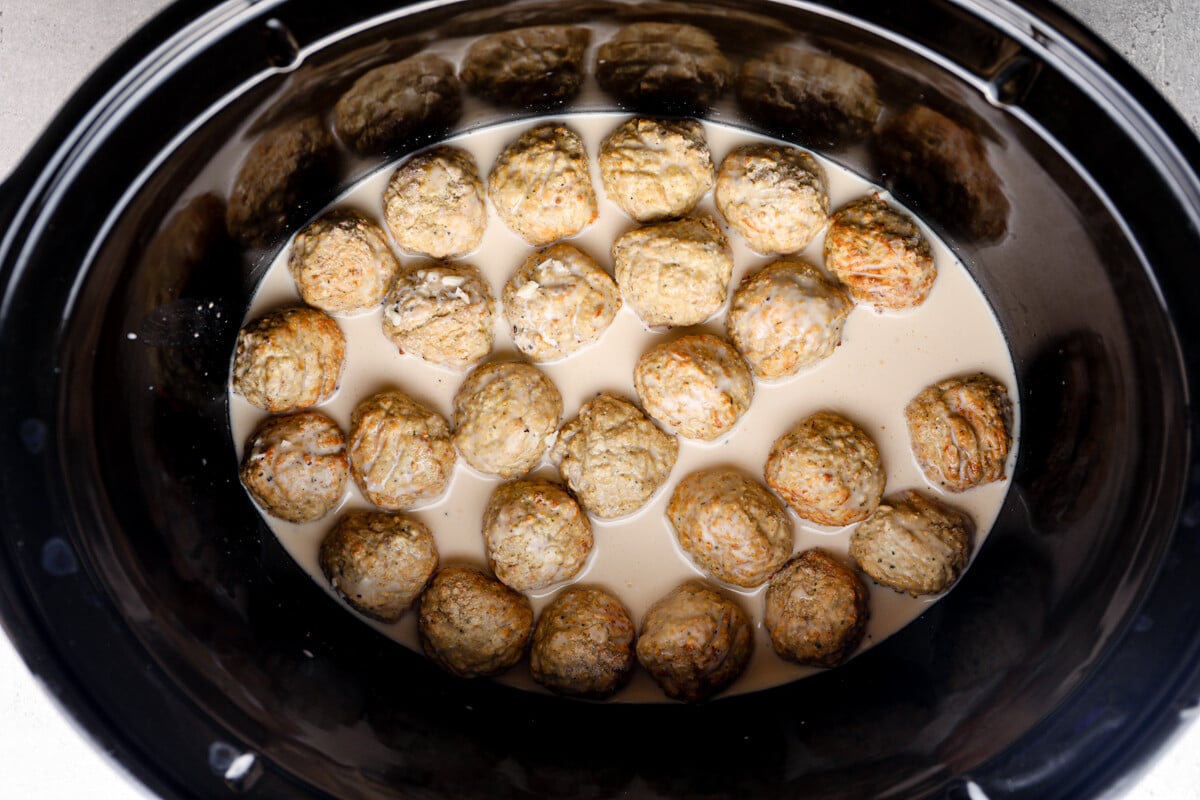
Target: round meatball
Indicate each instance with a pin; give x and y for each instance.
(536, 67)
(558, 301)
(295, 466)
(397, 103)
(471, 624)
(434, 203)
(655, 169)
(913, 544)
(662, 65)
(816, 610)
(288, 360)
(536, 535)
(443, 313)
(697, 386)
(541, 186)
(342, 263)
(786, 316)
(730, 526)
(400, 451)
(694, 642)
(961, 430)
(378, 563)
(827, 469)
(613, 457)
(674, 273)
(504, 415)
(880, 255)
(773, 195)
(583, 644)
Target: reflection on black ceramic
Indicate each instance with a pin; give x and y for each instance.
(538, 67)
(392, 105)
(662, 66)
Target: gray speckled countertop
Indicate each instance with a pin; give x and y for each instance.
(48, 46)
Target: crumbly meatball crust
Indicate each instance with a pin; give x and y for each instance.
(697, 386)
(398, 102)
(773, 195)
(655, 169)
(471, 624)
(378, 563)
(613, 457)
(913, 543)
(342, 263)
(662, 65)
(289, 359)
(879, 254)
(816, 610)
(443, 313)
(827, 469)
(961, 431)
(400, 451)
(583, 644)
(434, 203)
(295, 466)
(537, 67)
(504, 414)
(536, 535)
(730, 526)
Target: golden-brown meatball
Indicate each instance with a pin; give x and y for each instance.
(583, 644)
(613, 457)
(730, 526)
(827, 469)
(504, 415)
(443, 313)
(471, 624)
(434, 203)
(378, 563)
(535, 67)
(295, 466)
(342, 264)
(659, 65)
(694, 642)
(674, 273)
(786, 316)
(697, 386)
(879, 254)
(289, 360)
(656, 169)
(913, 544)
(541, 186)
(816, 610)
(396, 103)
(400, 451)
(535, 534)
(773, 195)
(961, 431)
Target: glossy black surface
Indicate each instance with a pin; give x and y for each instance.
(141, 583)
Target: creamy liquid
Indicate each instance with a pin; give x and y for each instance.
(883, 361)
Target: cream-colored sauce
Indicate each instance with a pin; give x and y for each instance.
(883, 361)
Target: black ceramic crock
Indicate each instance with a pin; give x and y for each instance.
(139, 582)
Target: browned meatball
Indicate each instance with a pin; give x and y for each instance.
(473, 625)
(656, 169)
(504, 415)
(535, 534)
(662, 66)
(961, 431)
(913, 544)
(697, 386)
(731, 526)
(536, 67)
(434, 203)
(342, 263)
(827, 469)
(295, 466)
(773, 195)
(694, 642)
(400, 451)
(443, 313)
(396, 103)
(880, 255)
(816, 610)
(289, 360)
(378, 563)
(583, 644)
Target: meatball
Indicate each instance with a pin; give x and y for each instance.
(583, 644)
(504, 415)
(558, 301)
(378, 563)
(697, 386)
(810, 95)
(400, 451)
(961, 430)
(827, 469)
(472, 625)
(786, 316)
(694, 642)
(662, 66)
(730, 526)
(342, 263)
(434, 203)
(655, 169)
(443, 313)
(879, 254)
(295, 466)
(773, 195)
(289, 359)
(536, 535)
(536, 67)
(613, 457)
(398, 103)
(816, 610)
(541, 186)
(674, 273)
(913, 544)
